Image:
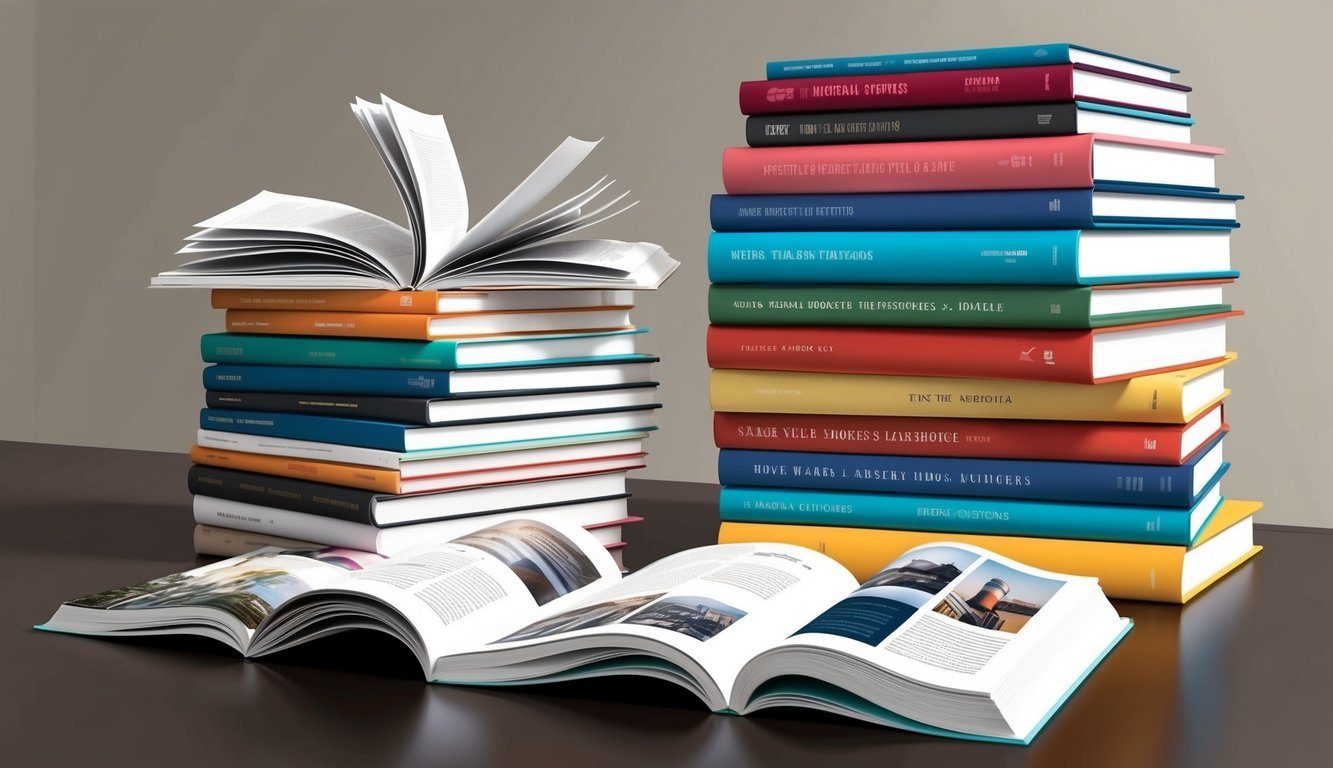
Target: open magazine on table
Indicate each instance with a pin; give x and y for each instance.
(274, 240)
(947, 639)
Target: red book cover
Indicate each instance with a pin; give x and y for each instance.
(1032, 354)
(1009, 85)
(1112, 442)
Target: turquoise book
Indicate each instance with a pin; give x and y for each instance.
(967, 58)
(946, 639)
(990, 257)
(439, 355)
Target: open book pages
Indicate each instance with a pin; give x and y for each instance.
(274, 240)
(947, 639)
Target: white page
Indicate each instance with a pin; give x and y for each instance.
(546, 177)
(385, 241)
(375, 120)
(437, 177)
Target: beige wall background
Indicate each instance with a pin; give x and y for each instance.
(126, 122)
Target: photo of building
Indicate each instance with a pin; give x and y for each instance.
(997, 597)
(697, 617)
(928, 570)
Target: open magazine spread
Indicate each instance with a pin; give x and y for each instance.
(274, 240)
(947, 639)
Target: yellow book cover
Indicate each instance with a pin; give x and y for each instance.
(1175, 397)
(1125, 570)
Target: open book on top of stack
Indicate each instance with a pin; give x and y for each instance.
(947, 639)
(274, 240)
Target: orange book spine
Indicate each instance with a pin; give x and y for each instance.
(333, 473)
(359, 324)
(384, 302)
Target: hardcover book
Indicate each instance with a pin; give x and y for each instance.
(1177, 397)
(943, 640)
(1123, 443)
(1081, 357)
(965, 306)
(1170, 573)
(417, 302)
(284, 241)
(969, 58)
(1008, 85)
(1049, 162)
(426, 327)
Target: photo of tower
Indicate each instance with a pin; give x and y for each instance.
(997, 597)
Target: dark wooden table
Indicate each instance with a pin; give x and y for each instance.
(1240, 677)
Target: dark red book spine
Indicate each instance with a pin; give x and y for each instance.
(1011, 85)
(1032, 354)
(1123, 443)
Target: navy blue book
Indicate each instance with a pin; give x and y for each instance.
(1082, 482)
(391, 382)
(1105, 205)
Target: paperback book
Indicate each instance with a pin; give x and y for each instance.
(945, 639)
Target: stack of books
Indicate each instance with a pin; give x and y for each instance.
(980, 294)
(381, 387)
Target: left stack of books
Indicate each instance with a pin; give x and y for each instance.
(380, 387)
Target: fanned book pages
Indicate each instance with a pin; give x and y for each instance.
(274, 240)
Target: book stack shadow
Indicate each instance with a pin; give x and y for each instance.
(379, 388)
(979, 303)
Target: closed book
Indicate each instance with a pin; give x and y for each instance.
(604, 518)
(438, 474)
(390, 382)
(425, 462)
(1080, 357)
(434, 411)
(964, 306)
(950, 515)
(441, 355)
(394, 436)
(380, 509)
(1010, 257)
(1049, 162)
(1103, 205)
(365, 325)
(994, 480)
(996, 85)
(967, 58)
(415, 302)
(1123, 443)
(1171, 573)
(1176, 397)
(951, 123)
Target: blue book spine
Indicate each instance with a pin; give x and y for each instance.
(1010, 209)
(925, 61)
(1100, 522)
(1016, 257)
(381, 382)
(934, 61)
(259, 349)
(383, 435)
(1083, 482)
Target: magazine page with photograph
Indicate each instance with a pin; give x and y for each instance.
(947, 636)
(693, 618)
(434, 598)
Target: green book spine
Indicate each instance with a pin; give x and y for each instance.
(961, 306)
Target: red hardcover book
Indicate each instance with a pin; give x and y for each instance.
(1047, 162)
(1075, 356)
(1114, 442)
(1008, 85)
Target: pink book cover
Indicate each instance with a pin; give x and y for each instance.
(1030, 163)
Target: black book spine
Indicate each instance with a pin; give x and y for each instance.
(997, 122)
(335, 501)
(405, 410)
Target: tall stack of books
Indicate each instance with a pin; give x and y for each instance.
(380, 387)
(980, 294)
